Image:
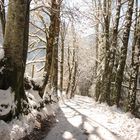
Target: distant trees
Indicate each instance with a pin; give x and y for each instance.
(70, 59)
(54, 37)
(15, 50)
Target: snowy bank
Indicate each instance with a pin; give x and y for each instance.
(24, 125)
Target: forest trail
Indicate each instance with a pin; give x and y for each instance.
(83, 119)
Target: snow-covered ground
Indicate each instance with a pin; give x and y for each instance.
(78, 119)
(84, 119)
(22, 126)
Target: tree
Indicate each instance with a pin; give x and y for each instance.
(15, 50)
(110, 58)
(2, 16)
(74, 78)
(123, 53)
(131, 106)
(72, 62)
(63, 31)
(106, 33)
(54, 70)
(107, 7)
(51, 64)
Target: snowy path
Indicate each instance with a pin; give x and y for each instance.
(84, 119)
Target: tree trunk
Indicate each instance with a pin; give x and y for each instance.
(112, 52)
(97, 39)
(70, 73)
(52, 47)
(73, 87)
(15, 48)
(107, 7)
(63, 33)
(134, 65)
(121, 65)
(2, 16)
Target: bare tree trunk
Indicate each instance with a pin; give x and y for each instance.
(63, 34)
(121, 66)
(112, 52)
(55, 48)
(70, 72)
(15, 48)
(107, 8)
(134, 65)
(73, 87)
(97, 39)
(61, 66)
(96, 63)
(52, 47)
(2, 16)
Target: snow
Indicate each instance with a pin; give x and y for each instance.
(22, 126)
(84, 119)
(33, 98)
(6, 101)
(2, 68)
(38, 81)
(1, 53)
(80, 118)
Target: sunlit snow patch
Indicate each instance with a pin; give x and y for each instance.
(1, 53)
(67, 135)
(6, 101)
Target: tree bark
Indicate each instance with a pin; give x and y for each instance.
(70, 73)
(63, 33)
(15, 48)
(111, 54)
(107, 7)
(54, 78)
(134, 65)
(2, 16)
(125, 39)
(51, 65)
(73, 87)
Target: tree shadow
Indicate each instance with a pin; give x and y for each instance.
(102, 132)
(71, 126)
(64, 130)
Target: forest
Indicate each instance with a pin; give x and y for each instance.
(69, 69)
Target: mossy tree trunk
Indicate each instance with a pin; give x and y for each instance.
(15, 49)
